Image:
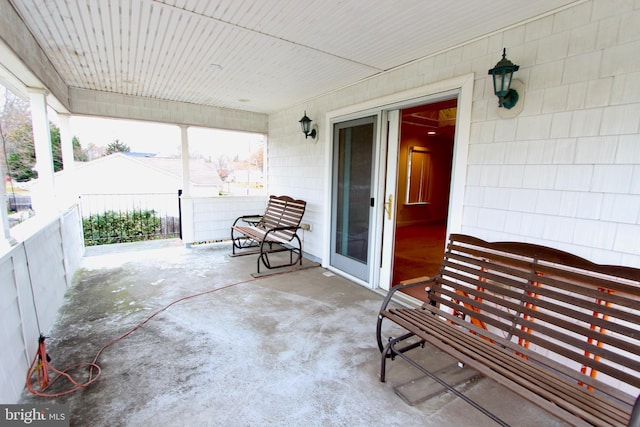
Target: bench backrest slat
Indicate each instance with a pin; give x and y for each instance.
(509, 309)
(283, 211)
(551, 295)
(544, 324)
(550, 255)
(583, 315)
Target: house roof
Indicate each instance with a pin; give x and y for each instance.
(258, 56)
(201, 172)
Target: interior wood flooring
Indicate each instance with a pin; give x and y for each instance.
(418, 252)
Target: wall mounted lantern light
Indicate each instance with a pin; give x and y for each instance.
(305, 124)
(502, 74)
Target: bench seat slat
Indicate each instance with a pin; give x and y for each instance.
(259, 234)
(480, 360)
(517, 369)
(559, 342)
(562, 369)
(559, 330)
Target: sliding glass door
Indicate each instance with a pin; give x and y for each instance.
(353, 196)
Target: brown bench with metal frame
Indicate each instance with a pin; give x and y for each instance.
(274, 231)
(556, 329)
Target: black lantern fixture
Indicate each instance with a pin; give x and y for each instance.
(305, 124)
(502, 74)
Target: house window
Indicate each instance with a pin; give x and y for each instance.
(418, 176)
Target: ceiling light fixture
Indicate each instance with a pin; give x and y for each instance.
(502, 74)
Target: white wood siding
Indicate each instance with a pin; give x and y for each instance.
(563, 173)
(210, 218)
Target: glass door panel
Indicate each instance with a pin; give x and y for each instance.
(352, 198)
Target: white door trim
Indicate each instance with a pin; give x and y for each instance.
(390, 139)
(464, 86)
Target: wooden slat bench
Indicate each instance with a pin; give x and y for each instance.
(554, 328)
(273, 231)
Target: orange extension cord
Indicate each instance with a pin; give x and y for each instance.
(41, 368)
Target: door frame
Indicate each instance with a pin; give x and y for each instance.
(463, 87)
(339, 260)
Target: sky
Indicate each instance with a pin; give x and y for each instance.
(163, 139)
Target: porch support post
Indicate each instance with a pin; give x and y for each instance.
(186, 178)
(67, 186)
(6, 240)
(44, 198)
(186, 202)
(66, 142)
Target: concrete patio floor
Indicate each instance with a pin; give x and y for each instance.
(293, 349)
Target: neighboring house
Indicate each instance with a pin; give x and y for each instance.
(122, 180)
(133, 173)
(244, 172)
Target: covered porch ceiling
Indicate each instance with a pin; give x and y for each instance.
(257, 56)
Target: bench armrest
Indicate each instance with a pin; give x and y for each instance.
(276, 229)
(292, 227)
(245, 216)
(405, 284)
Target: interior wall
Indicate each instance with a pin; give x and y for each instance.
(565, 172)
(441, 151)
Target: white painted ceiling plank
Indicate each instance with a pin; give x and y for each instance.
(273, 52)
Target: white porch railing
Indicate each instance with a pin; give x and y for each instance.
(34, 276)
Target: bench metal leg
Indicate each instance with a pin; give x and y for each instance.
(635, 414)
(241, 242)
(389, 351)
(381, 346)
(383, 361)
(390, 348)
(280, 247)
(402, 338)
(379, 333)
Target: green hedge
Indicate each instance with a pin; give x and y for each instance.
(121, 227)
